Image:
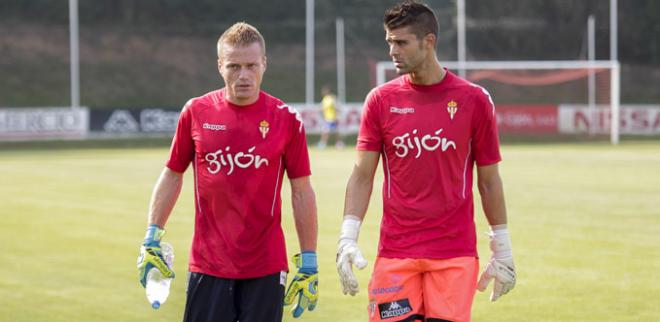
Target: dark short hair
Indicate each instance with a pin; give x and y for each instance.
(418, 16)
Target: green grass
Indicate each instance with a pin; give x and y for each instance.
(584, 220)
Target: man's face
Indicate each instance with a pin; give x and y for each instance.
(407, 52)
(242, 68)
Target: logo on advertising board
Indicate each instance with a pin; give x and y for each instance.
(49, 122)
(127, 121)
(121, 121)
(158, 120)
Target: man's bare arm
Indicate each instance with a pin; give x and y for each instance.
(303, 200)
(164, 196)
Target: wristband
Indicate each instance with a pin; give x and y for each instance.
(308, 260)
(153, 235)
(350, 228)
(500, 242)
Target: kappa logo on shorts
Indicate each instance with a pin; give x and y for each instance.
(395, 308)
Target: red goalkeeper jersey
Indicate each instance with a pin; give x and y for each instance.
(239, 155)
(429, 137)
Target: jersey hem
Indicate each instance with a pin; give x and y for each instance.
(361, 147)
(427, 256)
(176, 168)
(194, 269)
(300, 175)
(488, 162)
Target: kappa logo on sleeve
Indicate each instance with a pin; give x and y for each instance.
(395, 308)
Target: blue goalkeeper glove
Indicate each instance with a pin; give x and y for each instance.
(304, 288)
(151, 255)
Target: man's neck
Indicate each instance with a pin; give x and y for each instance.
(241, 102)
(430, 73)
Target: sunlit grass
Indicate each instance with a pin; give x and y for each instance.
(584, 221)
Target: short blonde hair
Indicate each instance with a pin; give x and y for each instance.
(241, 34)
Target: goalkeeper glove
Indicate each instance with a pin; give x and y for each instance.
(151, 255)
(348, 254)
(304, 288)
(500, 266)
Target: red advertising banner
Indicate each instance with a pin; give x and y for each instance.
(511, 119)
(527, 119)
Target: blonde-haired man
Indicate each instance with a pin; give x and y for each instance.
(240, 141)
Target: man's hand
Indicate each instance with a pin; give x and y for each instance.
(348, 254)
(304, 288)
(151, 255)
(500, 266)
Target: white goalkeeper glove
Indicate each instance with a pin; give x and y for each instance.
(348, 254)
(500, 267)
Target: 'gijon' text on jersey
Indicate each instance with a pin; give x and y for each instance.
(411, 142)
(221, 158)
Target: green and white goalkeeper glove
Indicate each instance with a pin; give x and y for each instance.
(348, 254)
(500, 267)
(304, 288)
(151, 256)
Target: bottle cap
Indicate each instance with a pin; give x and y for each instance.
(155, 305)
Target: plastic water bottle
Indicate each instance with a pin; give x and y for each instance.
(158, 286)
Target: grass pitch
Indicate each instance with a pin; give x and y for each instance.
(584, 220)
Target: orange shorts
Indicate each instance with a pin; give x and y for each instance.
(411, 290)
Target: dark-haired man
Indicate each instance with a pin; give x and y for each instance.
(431, 127)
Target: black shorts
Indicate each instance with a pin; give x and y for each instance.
(215, 299)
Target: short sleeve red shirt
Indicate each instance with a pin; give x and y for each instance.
(429, 137)
(239, 155)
